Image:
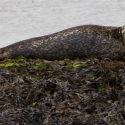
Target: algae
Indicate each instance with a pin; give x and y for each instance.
(72, 92)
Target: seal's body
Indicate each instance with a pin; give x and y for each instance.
(77, 42)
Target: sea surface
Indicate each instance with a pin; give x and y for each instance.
(23, 19)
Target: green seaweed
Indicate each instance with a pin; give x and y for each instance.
(12, 64)
(38, 91)
(34, 103)
(21, 57)
(77, 66)
(41, 66)
(101, 87)
(117, 78)
(94, 78)
(32, 79)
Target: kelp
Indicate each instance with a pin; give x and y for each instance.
(72, 92)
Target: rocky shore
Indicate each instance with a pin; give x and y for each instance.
(72, 92)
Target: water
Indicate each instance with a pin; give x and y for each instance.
(23, 19)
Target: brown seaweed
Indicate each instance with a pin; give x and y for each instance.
(72, 92)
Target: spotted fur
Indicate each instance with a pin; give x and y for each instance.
(77, 42)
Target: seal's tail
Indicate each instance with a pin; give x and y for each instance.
(1, 50)
(1, 53)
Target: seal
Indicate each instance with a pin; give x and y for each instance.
(77, 42)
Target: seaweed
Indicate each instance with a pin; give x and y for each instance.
(72, 92)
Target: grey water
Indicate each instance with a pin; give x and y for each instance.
(23, 19)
